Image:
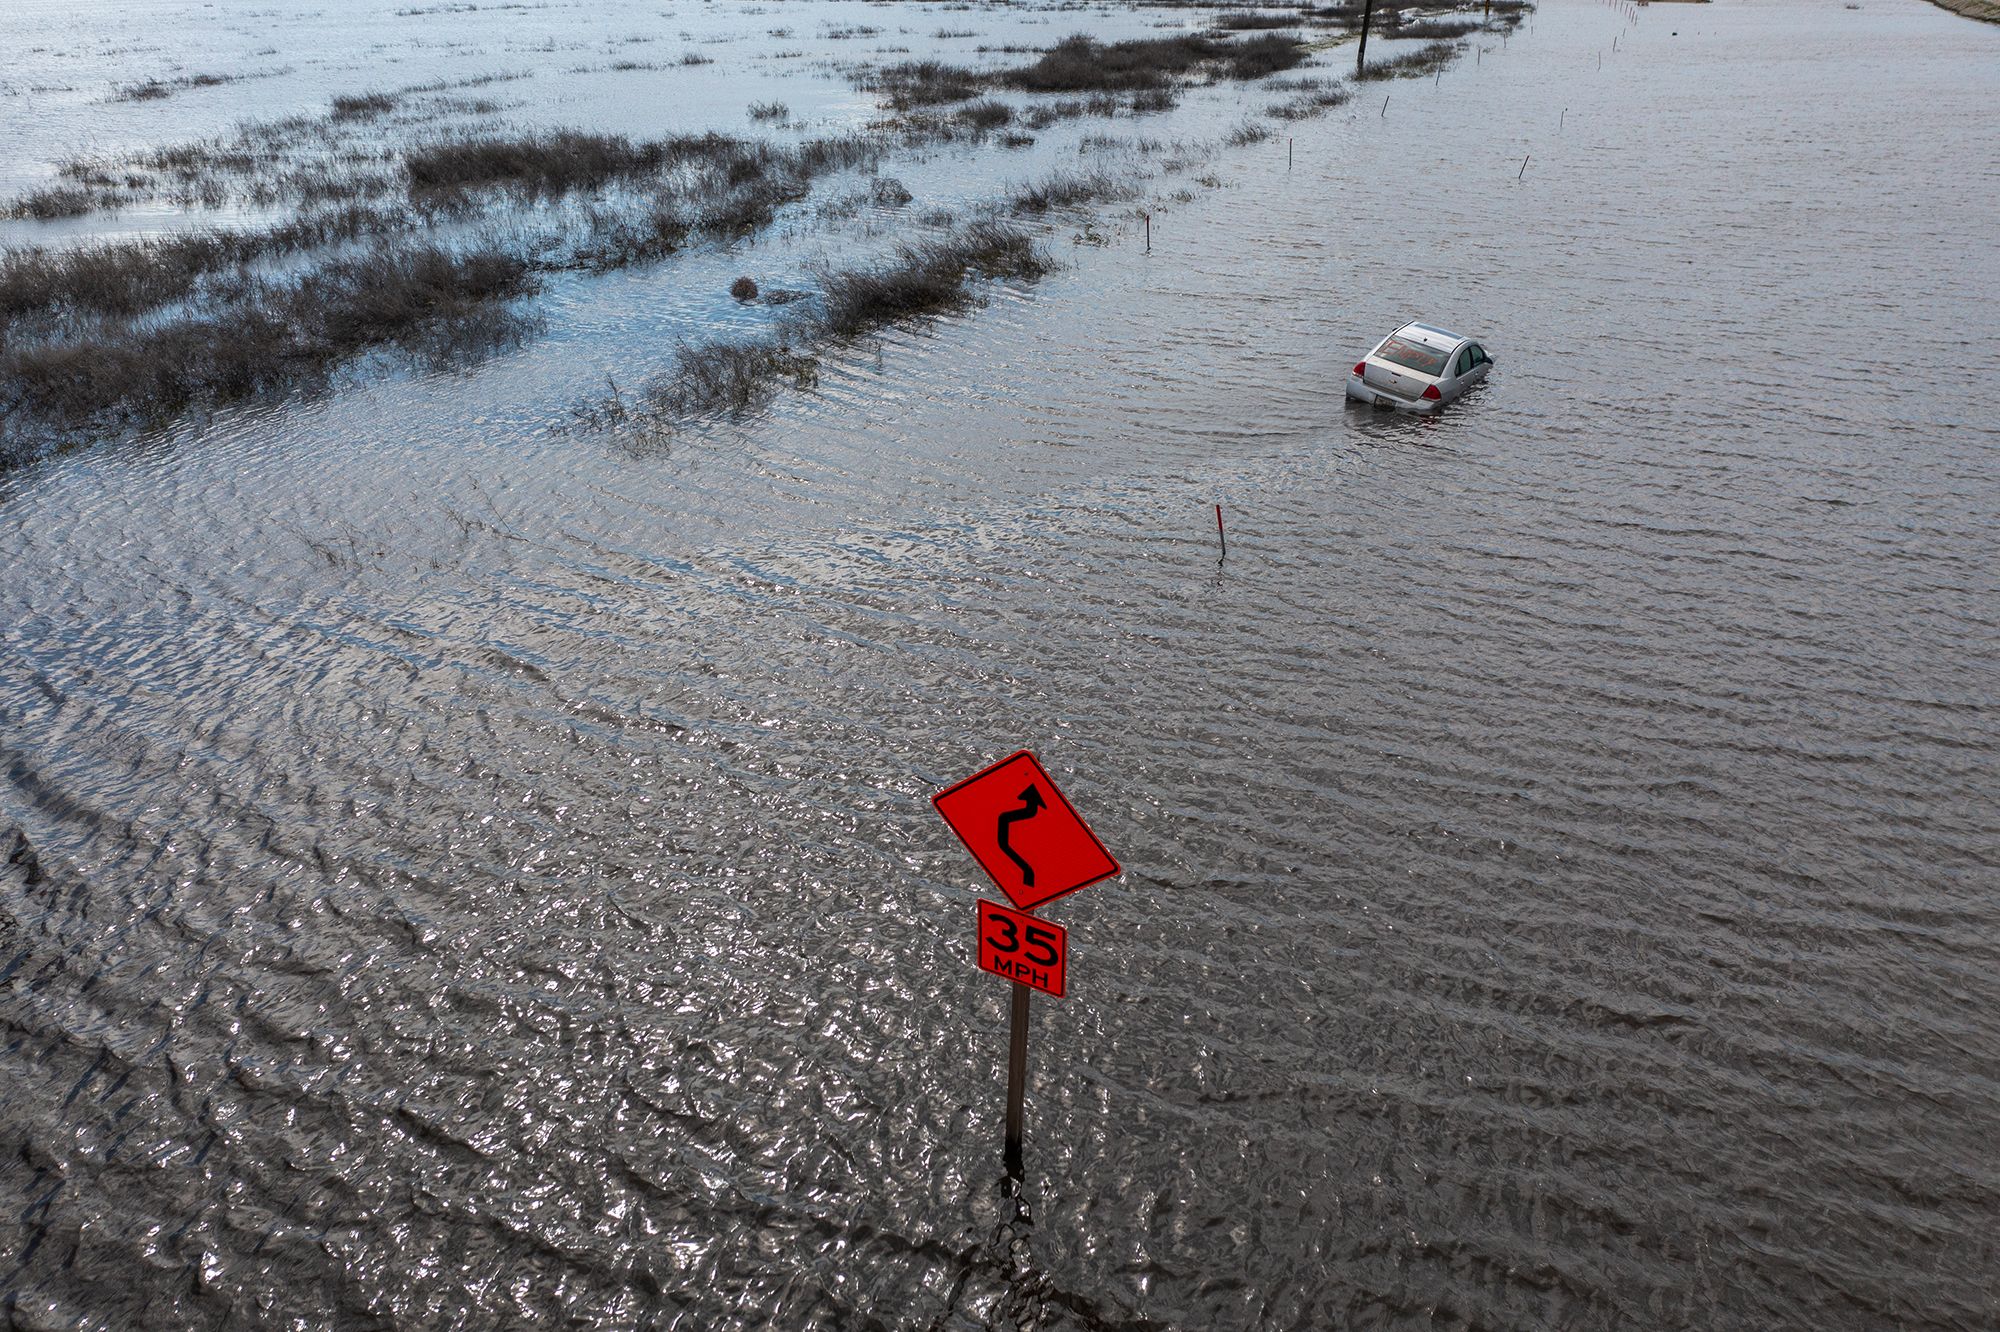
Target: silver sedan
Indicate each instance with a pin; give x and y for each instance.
(1418, 369)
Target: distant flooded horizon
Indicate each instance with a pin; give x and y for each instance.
(466, 851)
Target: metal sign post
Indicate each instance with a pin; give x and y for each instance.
(1017, 1080)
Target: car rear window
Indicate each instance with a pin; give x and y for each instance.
(1412, 356)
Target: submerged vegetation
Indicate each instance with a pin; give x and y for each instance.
(411, 231)
(932, 278)
(274, 334)
(1081, 64)
(1426, 59)
(926, 279)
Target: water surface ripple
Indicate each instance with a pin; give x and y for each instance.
(457, 875)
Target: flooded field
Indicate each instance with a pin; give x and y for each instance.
(466, 856)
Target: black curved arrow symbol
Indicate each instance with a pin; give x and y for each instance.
(1031, 804)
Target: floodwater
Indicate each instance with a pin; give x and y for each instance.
(458, 873)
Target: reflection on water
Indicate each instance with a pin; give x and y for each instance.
(458, 874)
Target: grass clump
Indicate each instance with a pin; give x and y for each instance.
(125, 279)
(152, 90)
(1313, 101)
(58, 201)
(543, 164)
(1267, 53)
(122, 278)
(1253, 22)
(1083, 64)
(363, 106)
(1064, 190)
(915, 83)
(927, 279)
(769, 111)
(730, 376)
(1424, 60)
(986, 115)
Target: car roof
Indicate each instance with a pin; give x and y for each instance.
(1433, 337)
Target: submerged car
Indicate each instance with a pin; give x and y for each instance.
(1418, 369)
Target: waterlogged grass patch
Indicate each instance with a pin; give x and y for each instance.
(1067, 189)
(1424, 60)
(917, 83)
(919, 281)
(730, 376)
(275, 335)
(930, 278)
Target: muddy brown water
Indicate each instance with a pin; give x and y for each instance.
(456, 874)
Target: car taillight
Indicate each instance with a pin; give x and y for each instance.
(1360, 369)
(1432, 393)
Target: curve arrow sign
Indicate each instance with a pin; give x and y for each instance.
(1031, 805)
(986, 809)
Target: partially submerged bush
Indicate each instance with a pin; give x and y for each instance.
(729, 376)
(744, 289)
(925, 279)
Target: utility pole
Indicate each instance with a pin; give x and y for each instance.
(1367, 13)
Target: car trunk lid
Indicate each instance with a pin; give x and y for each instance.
(1396, 379)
